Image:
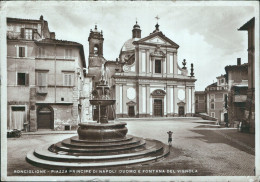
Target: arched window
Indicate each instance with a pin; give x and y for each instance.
(96, 50)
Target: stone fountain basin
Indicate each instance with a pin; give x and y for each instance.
(102, 102)
(97, 131)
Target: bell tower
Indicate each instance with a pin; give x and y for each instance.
(95, 59)
(95, 40)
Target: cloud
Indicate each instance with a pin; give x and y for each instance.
(207, 35)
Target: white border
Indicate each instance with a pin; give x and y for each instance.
(129, 178)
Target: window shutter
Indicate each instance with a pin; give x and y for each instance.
(70, 84)
(23, 51)
(39, 79)
(20, 51)
(65, 80)
(27, 79)
(44, 79)
(22, 33)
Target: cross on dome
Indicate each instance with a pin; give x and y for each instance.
(157, 17)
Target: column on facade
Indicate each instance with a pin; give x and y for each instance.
(165, 105)
(175, 68)
(140, 102)
(147, 62)
(152, 66)
(187, 99)
(144, 99)
(148, 103)
(171, 100)
(164, 66)
(119, 98)
(190, 100)
(151, 105)
(143, 61)
(139, 53)
(175, 98)
(193, 99)
(124, 100)
(168, 100)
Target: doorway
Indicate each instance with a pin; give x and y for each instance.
(131, 111)
(181, 111)
(45, 118)
(157, 107)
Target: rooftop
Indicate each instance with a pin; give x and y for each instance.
(9, 19)
(56, 41)
(242, 66)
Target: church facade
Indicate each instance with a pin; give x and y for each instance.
(146, 80)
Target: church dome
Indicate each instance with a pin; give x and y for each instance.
(136, 26)
(128, 45)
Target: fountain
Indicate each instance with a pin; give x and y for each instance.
(104, 129)
(98, 144)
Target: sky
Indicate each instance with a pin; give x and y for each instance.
(206, 32)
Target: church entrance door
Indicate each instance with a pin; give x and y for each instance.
(181, 110)
(157, 107)
(131, 111)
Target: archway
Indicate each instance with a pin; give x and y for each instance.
(45, 117)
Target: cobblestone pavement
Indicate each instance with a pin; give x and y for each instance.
(197, 150)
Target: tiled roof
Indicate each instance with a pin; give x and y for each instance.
(9, 19)
(56, 41)
(212, 85)
(245, 65)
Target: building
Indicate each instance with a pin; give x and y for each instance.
(250, 103)
(45, 77)
(146, 80)
(200, 102)
(237, 79)
(216, 94)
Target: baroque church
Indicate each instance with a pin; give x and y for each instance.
(146, 80)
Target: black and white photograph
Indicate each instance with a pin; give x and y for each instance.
(130, 91)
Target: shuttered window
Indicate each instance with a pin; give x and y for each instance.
(42, 79)
(68, 53)
(22, 33)
(23, 79)
(21, 51)
(68, 80)
(28, 34)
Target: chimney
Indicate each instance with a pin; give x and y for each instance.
(52, 35)
(238, 61)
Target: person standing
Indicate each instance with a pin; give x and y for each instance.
(170, 137)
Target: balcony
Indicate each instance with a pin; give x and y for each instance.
(240, 98)
(42, 90)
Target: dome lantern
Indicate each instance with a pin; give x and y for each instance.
(136, 31)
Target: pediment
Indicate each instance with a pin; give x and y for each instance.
(158, 39)
(131, 103)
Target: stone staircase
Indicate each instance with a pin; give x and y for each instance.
(76, 153)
